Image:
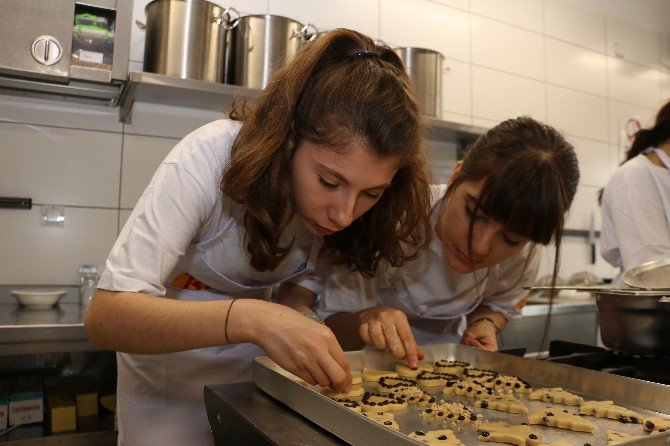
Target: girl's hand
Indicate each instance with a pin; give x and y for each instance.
(304, 347)
(386, 327)
(481, 335)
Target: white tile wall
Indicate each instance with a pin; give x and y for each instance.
(570, 23)
(507, 48)
(578, 69)
(498, 96)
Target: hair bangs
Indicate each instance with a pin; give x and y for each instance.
(526, 204)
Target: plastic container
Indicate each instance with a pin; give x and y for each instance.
(88, 281)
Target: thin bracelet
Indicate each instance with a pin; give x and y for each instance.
(225, 324)
(488, 319)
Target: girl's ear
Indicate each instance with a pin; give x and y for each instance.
(454, 173)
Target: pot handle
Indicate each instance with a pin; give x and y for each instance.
(141, 25)
(307, 33)
(226, 19)
(664, 300)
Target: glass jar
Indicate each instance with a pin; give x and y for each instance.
(88, 281)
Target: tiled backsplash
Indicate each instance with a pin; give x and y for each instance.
(550, 59)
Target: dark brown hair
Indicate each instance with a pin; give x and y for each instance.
(530, 175)
(645, 138)
(340, 86)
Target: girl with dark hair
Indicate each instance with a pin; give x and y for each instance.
(509, 194)
(329, 159)
(636, 201)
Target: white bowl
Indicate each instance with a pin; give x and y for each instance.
(38, 299)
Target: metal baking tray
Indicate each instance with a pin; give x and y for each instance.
(646, 398)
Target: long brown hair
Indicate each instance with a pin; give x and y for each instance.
(341, 85)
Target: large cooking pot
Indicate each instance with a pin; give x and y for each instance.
(187, 39)
(260, 44)
(631, 320)
(425, 69)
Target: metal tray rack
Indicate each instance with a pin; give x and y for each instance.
(646, 398)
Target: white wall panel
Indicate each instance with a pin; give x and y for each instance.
(576, 113)
(507, 48)
(141, 157)
(59, 114)
(584, 204)
(594, 161)
(576, 67)
(633, 43)
(456, 87)
(169, 121)
(361, 15)
(424, 24)
(498, 96)
(523, 13)
(634, 83)
(574, 24)
(575, 258)
(665, 86)
(43, 255)
(620, 113)
(60, 166)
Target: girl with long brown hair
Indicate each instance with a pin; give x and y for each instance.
(329, 159)
(506, 198)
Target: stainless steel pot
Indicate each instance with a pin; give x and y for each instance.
(425, 69)
(261, 44)
(631, 320)
(187, 39)
(636, 324)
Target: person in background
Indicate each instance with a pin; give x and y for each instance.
(635, 203)
(330, 155)
(506, 198)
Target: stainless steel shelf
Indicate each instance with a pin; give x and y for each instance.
(170, 90)
(25, 331)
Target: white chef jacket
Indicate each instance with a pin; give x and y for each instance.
(636, 215)
(183, 224)
(435, 298)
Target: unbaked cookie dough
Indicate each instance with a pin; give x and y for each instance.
(656, 424)
(507, 384)
(375, 402)
(468, 387)
(406, 372)
(607, 409)
(478, 374)
(349, 404)
(386, 419)
(386, 384)
(449, 366)
(562, 419)
(503, 403)
(451, 413)
(438, 437)
(520, 435)
(435, 379)
(355, 392)
(373, 375)
(556, 395)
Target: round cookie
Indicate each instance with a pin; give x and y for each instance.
(373, 375)
(356, 378)
(355, 392)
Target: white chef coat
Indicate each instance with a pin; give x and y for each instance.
(636, 215)
(183, 224)
(435, 298)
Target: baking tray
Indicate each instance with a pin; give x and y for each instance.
(646, 398)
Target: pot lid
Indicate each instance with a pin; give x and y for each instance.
(652, 275)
